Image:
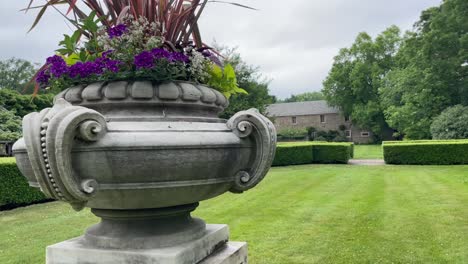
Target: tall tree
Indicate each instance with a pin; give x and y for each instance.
(21, 105)
(357, 75)
(15, 74)
(248, 78)
(303, 97)
(431, 72)
(10, 125)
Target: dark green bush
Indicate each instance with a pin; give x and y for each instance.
(332, 153)
(312, 152)
(452, 123)
(292, 133)
(437, 152)
(293, 154)
(14, 189)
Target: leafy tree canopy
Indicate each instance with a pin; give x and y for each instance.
(452, 123)
(15, 74)
(357, 75)
(22, 105)
(10, 125)
(249, 79)
(429, 75)
(303, 97)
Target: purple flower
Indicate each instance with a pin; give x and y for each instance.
(43, 77)
(179, 57)
(144, 60)
(117, 31)
(57, 66)
(106, 53)
(85, 69)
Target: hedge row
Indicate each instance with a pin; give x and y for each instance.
(312, 152)
(425, 152)
(14, 189)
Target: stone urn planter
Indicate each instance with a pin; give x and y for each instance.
(142, 155)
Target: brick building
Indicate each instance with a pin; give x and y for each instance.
(317, 114)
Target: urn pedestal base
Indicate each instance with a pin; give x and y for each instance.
(211, 248)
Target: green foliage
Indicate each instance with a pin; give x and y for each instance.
(332, 153)
(224, 80)
(312, 152)
(22, 105)
(292, 133)
(429, 75)
(330, 136)
(442, 152)
(14, 188)
(293, 155)
(10, 126)
(452, 123)
(357, 75)
(309, 96)
(15, 74)
(249, 79)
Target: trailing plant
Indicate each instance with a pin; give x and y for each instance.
(155, 40)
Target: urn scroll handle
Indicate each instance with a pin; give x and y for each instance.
(49, 137)
(251, 123)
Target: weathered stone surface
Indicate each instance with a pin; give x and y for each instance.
(190, 92)
(142, 90)
(74, 251)
(169, 91)
(232, 253)
(73, 95)
(143, 166)
(93, 91)
(116, 90)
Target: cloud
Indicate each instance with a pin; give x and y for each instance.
(292, 41)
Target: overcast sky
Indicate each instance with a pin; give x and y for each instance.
(292, 41)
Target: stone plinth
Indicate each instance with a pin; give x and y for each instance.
(212, 248)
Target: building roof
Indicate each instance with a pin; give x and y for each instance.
(301, 108)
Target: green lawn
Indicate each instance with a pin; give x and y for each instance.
(304, 214)
(368, 152)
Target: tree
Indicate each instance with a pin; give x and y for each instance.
(429, 75)
(10, 125)
(303, 97)
(248, 78)
(452, 123)
(357, 75)
(15, 74)
(22, 105)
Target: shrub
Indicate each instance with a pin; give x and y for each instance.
(452, 123)
(424, 152)
(14, 189)
(330, 136)
(293, 154)
(312, 152)
(292, 133)
(332, 152)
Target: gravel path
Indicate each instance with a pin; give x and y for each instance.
(367, 162)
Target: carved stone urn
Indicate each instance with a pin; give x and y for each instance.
(142, 155)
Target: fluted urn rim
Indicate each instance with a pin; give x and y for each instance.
(131, 92)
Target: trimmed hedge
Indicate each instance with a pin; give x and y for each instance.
(312, 152)
(426, 152)
(288, 154)
(333, 153)
(14, 189)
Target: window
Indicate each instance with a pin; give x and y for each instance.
(322, 118)
(365, 134)
(346, 118)
(294, 120)
(348, 133)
